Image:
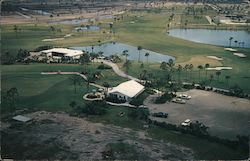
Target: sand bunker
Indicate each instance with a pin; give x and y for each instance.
(241, 55)
(68, 35)
(56, 39)
(215, 57)
(230, 49)
(220, 68)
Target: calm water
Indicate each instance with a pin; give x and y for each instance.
(70, 22)
(213, 37)
(90, 28)
(117, 48)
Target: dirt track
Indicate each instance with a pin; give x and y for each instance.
(76, 138)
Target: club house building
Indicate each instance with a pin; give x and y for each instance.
(58, 53)
(126, 90)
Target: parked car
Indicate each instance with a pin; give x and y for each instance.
(187, 122)
(184, 96)
(179, 100)
(160, 114)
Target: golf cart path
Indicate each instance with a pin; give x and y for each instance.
(117, 70)
(73, 73)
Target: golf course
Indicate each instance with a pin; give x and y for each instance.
(146, 29)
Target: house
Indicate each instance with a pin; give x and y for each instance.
(56, 54)
(126, 90)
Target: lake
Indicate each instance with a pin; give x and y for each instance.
(213, 37)
(86, 28)
(117, 48)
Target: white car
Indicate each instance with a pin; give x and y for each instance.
(178, 100)
(184, 96)
(187, 122)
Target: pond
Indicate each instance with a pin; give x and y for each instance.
(70, 22)
(86, 28)
(117, 48)
(213, 37)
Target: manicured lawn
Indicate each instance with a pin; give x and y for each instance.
(48, 92)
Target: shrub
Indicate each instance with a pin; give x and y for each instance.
(95, 108)
(139, 113)
(45, 47)
(115, 100)
(103, 66)
(164, 98)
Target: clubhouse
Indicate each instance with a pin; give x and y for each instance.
(126, 90)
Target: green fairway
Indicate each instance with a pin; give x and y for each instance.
(49, 92)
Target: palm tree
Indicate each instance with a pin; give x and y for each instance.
(127, 65)
(211, 78)
(200, 67)
(106, 85)
(163, 65)
(191, 69)
(218, 73)
(75, 80)
(139, 48)
(227, 77)
(179, 69)
(15, 29)
(110, 27)
(84, 60)
(230, 41)
(206, 66)
(186, 67)
(171, 66)
(235, 41)
(147, 55)
(53, 29)
(125, 53)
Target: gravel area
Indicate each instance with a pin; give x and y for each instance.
(224, 115)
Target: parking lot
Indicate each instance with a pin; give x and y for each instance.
(224, 115)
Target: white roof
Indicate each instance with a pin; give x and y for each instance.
(21, 118)
(65, 51)
(130, 88)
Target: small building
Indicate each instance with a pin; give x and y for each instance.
(59, 53)
(126, 90)
(21, 118)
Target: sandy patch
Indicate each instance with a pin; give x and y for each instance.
(220, 68)
(68, 35)
(56, 39)
(241, 55)
(230, 49)
(215, 57)
(198, 60)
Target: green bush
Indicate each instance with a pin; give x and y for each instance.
(103, 66)
(164, 98)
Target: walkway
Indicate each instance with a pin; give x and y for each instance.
(73, 73)
(210, 20)
(117, 70)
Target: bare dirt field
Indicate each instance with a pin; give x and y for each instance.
(224, 115)
(60, 136)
